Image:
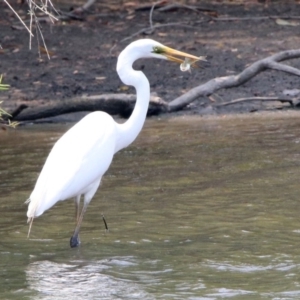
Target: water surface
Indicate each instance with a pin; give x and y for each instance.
(197, 208)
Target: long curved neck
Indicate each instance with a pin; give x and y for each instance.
(132, 127)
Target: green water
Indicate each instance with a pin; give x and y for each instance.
(197, 208)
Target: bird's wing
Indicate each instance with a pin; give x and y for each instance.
(79, 158)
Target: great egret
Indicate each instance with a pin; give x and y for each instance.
(83, 154)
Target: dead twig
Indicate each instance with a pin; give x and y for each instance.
(148, 29)
(151, 13)
(17, 15)
(151, 28)
(213, 85)
(249, 99)
(260, 18)
(43, 6)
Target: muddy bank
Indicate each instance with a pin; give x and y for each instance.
(83, 54)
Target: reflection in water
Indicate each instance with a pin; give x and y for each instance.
(80, 280)
(122, 278)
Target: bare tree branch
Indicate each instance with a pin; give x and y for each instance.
(218, 83)
(280, 67)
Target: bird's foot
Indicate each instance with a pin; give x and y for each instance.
(74, 241)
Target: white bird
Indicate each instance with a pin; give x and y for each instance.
(80, 158)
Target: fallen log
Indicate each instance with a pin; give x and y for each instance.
(113, 104)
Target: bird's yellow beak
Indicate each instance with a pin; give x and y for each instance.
(180, 57)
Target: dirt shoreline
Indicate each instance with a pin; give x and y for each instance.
(83, 55)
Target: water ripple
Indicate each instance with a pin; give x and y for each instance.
(51, 280)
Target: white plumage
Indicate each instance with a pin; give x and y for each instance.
(83, 154)
(76, 163)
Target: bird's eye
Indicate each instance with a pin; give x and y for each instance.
(158, 50)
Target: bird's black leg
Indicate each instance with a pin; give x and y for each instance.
(74, 241)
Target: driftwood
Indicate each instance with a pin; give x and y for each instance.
(113, 104)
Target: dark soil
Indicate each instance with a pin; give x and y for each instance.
(84, 53)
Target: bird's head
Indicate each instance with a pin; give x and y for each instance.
(147, 48)
(164, 52)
